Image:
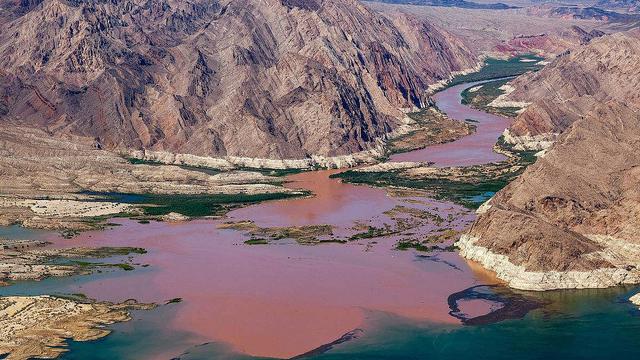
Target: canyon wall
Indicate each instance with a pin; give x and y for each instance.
(280, 79)
(565, 90)
(572, 220)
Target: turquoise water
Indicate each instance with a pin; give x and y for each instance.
(576, 324)
(585, 324)
(140, 338)
(16, 232)
(479, 199)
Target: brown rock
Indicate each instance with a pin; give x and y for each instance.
(268, 79)
(569, 87)
(576, 209)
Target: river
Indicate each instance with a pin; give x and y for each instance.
(282, 300)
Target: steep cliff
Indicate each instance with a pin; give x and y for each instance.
(270, 79)
(572, 219)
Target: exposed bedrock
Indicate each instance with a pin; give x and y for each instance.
(270, 79)
(572, 219)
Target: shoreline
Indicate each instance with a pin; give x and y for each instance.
(39, 212)
(359, 268)
(517, 277)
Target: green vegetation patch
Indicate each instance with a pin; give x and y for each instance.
(275, 172)
(136, 161)
(125, 267)
(499, 68)
(77, 297)
(94, 265)
(468, 186)
(196, 205)
(483, 96)
(414, 244)
(103, 252)
(257, 241)
(372, 232)
(460, 192)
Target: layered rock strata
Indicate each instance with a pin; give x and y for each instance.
(572, 219)
(570, 86)
(274, 79)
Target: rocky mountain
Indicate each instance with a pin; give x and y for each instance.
(452, 3)
(572, 219)
(548, 44)
(627, 5)
(583, 13)
(565, 90)
(268, 79)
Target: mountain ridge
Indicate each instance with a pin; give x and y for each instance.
(266, 79)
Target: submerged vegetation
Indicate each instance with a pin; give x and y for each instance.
(304, 235)
(105, 252)
(372, 232)
(254, 241)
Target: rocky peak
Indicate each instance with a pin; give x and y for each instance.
(310, 5)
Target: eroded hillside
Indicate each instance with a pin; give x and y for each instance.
(266, 79)
(571, 219)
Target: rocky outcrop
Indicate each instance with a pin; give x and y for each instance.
(270, 79)
(519, 277)
(232, 162)
(39, 326)
(572, 219)
(549, 43)
(22, 260)
(565, 90)
(35, 164)
(453, 3)
(529, 142)
(627, 5)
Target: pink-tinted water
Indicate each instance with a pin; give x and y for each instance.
(275, 300)
(470, 150)
(286, 299)
(334, 203)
